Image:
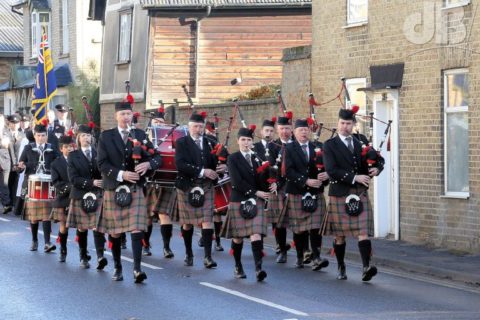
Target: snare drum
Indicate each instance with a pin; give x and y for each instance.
(167, 172)
(40, 187)
(222, 195)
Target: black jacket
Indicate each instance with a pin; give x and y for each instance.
(114, 155)
(81, 173)
(342, 166)
(244, 179)
(31, 157)
(298, 170)
(260, 151)
(190, 160)
(54, 133)
(60, 182)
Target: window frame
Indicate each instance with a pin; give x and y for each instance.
(36, 31)
(121, 13)
(351, 22)
(447, 110)
(362, 83)
(65, 28)
(448, 5)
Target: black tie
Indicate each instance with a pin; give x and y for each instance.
(349, 144)
(88, 154)
(249, 159)
(125, 136)
(305, 152)
(198, 142)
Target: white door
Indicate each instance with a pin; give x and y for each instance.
(386, 185)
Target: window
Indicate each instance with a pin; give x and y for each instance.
(357, 11)
(65, 38)
(456, 100)
(40, 24)
(360, 99)
(125, 36)
(456, 3)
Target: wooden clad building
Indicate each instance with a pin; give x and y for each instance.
(203, 44)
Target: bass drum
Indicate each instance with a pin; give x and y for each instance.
(167, 172)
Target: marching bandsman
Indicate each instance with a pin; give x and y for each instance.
(36, 211)
(123, 164)
(54, 129)
(349, 181)
(306, 204)
(85, 197)
(7, 162)
(62, 192)
(161, 200)
(246, 217)
(196, 167)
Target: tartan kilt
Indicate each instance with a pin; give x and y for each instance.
(114, 219)
(237, 227)
(152, 193)
(166, 202)
(299, 220)
(195, 216)
(37, 210)
(59, 214)
(339, 223)
(275, 206)
(77, 218)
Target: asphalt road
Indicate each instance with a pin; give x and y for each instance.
(34, 285)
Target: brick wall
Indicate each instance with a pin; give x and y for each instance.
(425, 216)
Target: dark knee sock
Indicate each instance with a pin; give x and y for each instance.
(315, 242)
(146, 236)
(137, 250)
(187, 239)
(365, 248)
(257, 248)
(82, 243)
(47, 230)
(340, 252)
(237, 252)
(116, 251)
(207, 235)
(63, 241)
(299, 239)
(281, 238)
(99, 240)
(166, 231)
(34, 228)
(218, 228)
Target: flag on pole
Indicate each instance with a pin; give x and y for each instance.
(45, 82)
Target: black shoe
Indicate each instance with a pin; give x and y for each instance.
(167, 253)
(117, 274)
(319, 264)
(342, 272)
(84, 264)
(307, 257)
(238, 273)
(261, 274)
(7, 209)
(277, 249)
(209, 263)
(34, 246)
(49, 247)
(218, 247)
(139, 276)
(282, 257)
(188, 262)
(369, 273)
(102, 263)
(146, 251)
(63, 256)
(299, 263)
(200, 242)
(124, 244)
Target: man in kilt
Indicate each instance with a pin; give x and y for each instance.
(36, 211)
(196, 167)
(306, 205)
(62, 192)
(161, 201)
(280, 225)
(86, 194)
(123, 165)
(349, 178)
(247, 185)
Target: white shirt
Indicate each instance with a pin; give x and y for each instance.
(84, 150)
(120, 173)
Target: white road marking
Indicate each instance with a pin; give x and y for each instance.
(146, 265)
(3, 219)
(257, 300)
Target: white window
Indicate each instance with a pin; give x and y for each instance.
(125, 36)
(456, 3)
(357, 11)
(456, 138)
(359, 98)
(65, 31)
(40, 24)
